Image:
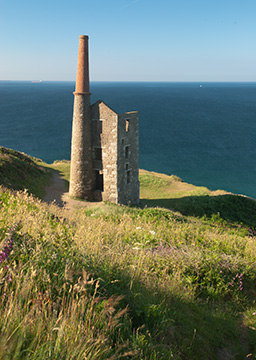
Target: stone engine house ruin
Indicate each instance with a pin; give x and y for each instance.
(105, 145)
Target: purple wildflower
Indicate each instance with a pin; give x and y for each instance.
(237, 281)
(7, 248)
(163, 250)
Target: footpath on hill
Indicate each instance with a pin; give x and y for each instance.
(56, 192)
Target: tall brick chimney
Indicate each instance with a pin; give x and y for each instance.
(81, 148)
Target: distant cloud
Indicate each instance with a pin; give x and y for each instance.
(130, 3)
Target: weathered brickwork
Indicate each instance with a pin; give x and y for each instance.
(105, 145)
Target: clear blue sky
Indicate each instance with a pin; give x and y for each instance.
(130, 40)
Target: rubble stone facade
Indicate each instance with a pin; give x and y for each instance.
(105, 146)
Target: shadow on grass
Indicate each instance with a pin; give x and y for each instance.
(234, 208)
(190, 329)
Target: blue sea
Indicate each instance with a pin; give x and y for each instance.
(202, 132)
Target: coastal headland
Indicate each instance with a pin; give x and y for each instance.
(171, 278)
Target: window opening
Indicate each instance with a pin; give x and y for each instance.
(99, 181)
(126, 152)
(127, 125)
(128, 177)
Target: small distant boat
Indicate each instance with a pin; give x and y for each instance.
(36, 81)
(200, 85)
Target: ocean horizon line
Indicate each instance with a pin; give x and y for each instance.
(143, 81)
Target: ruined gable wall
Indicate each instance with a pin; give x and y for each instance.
(104, 135)
(128, 158)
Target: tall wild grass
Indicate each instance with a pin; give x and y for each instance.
(117, 282)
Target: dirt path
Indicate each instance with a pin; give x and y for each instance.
(56, 192)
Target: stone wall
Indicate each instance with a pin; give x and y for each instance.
(81, 163)
(115, 153)
(104, 123)
(128, 158)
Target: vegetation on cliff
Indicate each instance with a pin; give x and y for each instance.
(19, 172)
(113, 282)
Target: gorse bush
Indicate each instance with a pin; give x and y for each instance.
(117, 282)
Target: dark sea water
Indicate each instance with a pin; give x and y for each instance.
(203, 134)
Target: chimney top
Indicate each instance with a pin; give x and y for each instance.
(82, 76)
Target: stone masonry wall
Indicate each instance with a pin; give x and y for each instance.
(81, 163)
(128, 158)
(104, 136)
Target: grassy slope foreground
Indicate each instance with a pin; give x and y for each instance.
(113, 282)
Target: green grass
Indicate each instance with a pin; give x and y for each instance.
(113, 282)
(172, 193)
(156, 186)
(19, 171)
(63, 167)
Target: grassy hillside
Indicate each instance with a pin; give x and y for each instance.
(172, 193)
(113, 282)
(19, 171)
